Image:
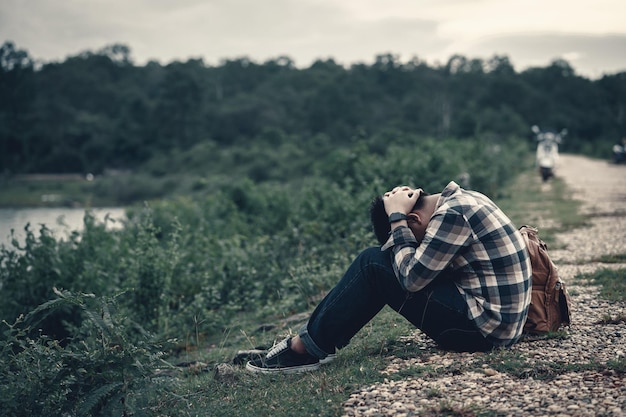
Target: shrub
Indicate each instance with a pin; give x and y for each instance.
(108, 368)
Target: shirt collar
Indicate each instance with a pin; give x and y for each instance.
(451, 189)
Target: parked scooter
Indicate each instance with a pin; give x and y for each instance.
(547, 150)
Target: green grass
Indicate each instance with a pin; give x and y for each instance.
(318, 393)
(612, 283)
(545, 206)
(617, 258)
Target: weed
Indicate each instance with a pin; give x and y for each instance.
(445, 408)
(618, 365)
(433, 393)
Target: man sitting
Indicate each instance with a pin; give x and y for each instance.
(452, 263)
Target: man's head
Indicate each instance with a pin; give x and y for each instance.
(380, 219)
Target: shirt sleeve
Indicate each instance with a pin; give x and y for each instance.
(415, 264)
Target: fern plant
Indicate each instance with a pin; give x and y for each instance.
(108, 367)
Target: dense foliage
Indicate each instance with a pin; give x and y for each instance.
(98, 111)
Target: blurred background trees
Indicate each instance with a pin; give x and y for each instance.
(98, 111)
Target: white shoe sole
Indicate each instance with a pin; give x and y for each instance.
(328, 359)
(289, 370)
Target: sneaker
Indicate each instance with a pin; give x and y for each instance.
(281, 359)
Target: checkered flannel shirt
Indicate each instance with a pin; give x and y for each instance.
(471, 236)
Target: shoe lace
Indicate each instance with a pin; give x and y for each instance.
(276, 349)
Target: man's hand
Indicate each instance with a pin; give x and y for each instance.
(401, 199)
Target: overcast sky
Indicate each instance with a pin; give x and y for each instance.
(589, 34)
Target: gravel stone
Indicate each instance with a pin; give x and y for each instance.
(564, 376)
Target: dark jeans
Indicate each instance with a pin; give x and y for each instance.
(368, 285)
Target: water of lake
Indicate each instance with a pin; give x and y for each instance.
(62, 221)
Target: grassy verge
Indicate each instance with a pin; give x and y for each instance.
(318, 393)
(612, 283)
(527, 201)
(545, 206)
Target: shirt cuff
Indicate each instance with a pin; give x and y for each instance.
(400, 235)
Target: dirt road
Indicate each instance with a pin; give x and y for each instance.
(602, 189)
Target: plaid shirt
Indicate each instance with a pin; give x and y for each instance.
(470, 236)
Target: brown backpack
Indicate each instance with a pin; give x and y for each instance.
(550, 303)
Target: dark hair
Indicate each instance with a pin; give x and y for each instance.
(380, 220)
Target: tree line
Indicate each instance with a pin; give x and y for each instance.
(98, 110)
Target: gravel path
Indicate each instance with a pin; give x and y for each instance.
(460, 384)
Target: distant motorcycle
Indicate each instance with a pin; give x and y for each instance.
(547, 155)
(619, 152)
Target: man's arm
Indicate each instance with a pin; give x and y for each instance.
(416, 265)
